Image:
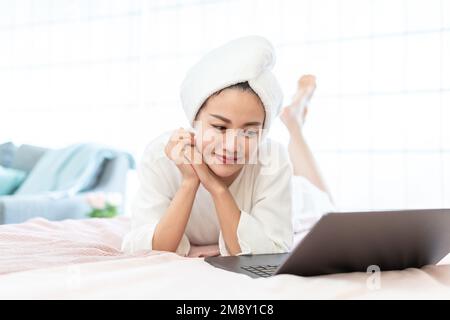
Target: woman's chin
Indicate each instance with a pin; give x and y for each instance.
(225, 170)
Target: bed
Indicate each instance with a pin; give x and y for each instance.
(81, 259)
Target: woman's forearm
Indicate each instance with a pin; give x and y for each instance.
(171, 227)
(229, 215)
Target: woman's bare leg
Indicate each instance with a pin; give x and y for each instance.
(293, 116)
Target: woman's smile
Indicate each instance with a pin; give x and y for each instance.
(226, 159)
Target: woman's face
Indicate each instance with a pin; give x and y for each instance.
(230, 125)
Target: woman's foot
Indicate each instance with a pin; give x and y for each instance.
(295, 113)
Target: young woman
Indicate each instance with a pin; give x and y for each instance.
(223, 182)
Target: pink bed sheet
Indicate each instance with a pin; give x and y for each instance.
(39, 243)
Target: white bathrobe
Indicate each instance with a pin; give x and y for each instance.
(272, 202)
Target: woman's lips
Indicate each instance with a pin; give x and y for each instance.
(225, 159)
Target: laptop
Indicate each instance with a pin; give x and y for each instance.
(355, 242)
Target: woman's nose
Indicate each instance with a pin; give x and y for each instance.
(232, 143)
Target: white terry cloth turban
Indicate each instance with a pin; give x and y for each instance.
(248, 59)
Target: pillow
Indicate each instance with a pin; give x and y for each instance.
(26, 157)
(67, 171)
(7, 152)
(10, 180)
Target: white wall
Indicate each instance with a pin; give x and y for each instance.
(109, 71)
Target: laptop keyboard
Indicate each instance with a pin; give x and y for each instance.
(262, 271)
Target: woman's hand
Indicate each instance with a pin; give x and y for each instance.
(208, 179)
(181, 141)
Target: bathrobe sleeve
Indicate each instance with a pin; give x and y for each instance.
(152, 200)
(267, 228)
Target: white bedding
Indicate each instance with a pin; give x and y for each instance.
(168, 276)
(158, 275)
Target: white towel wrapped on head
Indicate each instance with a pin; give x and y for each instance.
(244, 59)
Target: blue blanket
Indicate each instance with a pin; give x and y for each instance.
(69, 170)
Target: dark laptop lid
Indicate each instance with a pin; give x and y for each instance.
(354, 241)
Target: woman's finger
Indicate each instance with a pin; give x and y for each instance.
(199, 166)
(177, 151)
(178, 141)
(181, 134)
(190, 155)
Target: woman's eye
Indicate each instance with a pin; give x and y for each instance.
(220, 128)
(250, 133)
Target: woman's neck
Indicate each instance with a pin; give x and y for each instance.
(229, 180)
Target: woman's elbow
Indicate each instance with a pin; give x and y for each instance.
(163, 246)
